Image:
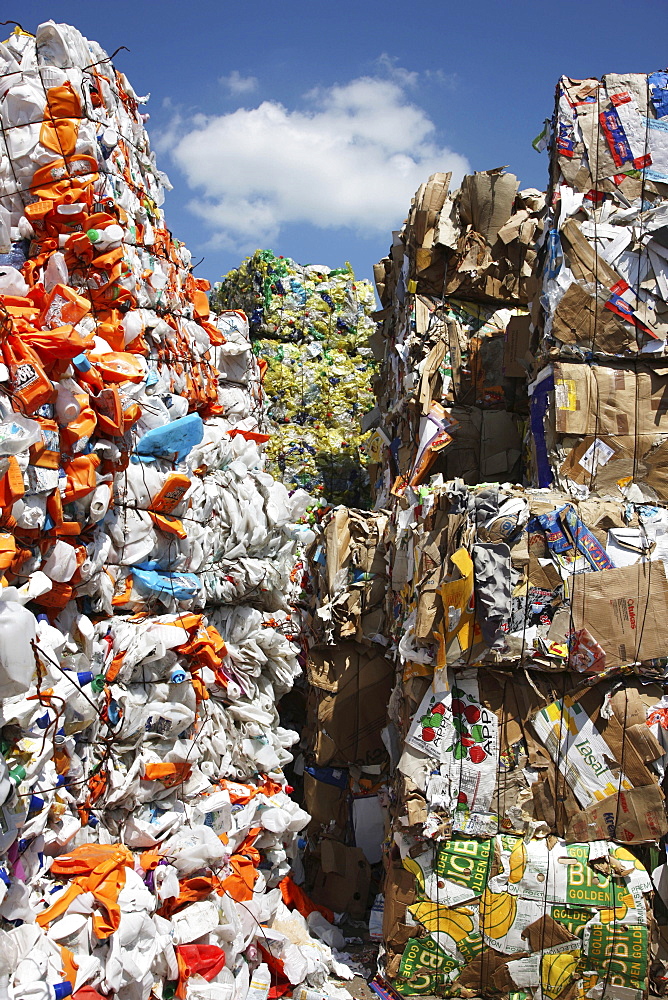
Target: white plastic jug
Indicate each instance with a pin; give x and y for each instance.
(260, 983)
(17, 660)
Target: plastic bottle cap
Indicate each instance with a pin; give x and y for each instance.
(113, 713)
(62, 990)
(97, 684)
(81, 363)
(85, 676)
(17, 774)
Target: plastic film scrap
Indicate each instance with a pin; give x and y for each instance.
(146, 628)
(311, 325)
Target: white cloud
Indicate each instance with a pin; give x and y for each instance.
(448, 80)
(353, 157)
(389, 66)
(238, 84)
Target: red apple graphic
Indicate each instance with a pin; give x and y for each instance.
(438, 709)
(467, 741)
(458, 706)
(428, 734)
(462, 798)
(477, 754)
(471, 713)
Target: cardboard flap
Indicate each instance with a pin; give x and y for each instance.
(625, 610)
(630, 817)
(487, 200)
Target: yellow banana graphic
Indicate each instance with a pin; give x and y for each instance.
(413, 866)
(518, 862)
(557, 971)
(610, 914)
(497, 913)
(442, 919)
(623, 855)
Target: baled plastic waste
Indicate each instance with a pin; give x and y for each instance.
(146, 556)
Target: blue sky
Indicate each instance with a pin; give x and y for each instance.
(306, 127)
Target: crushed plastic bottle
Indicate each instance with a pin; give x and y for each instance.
(145, 564)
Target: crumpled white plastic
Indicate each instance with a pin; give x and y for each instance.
(144, 644)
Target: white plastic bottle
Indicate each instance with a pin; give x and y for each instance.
(260, 983)
(18, 628)
(100, 500)
(111, 236)
(67, 407)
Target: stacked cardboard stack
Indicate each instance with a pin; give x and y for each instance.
(454, 334)
(530, 636)
(311, 325)
(528, 627)
(350, 680)
(601, 319)
(144, 557)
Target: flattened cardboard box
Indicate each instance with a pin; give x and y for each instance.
(355, 684)
(613, 400)
(625, 610)
(629, 817)
(327, 806)
(343, 881)
(399, 892)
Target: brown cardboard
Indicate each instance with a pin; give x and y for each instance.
(486, 448)
(516, 346)
(628, 404)
(573, 468)
(337, 539)
(631, 747)
(625, 610)
(546, 933)
(399, 891)
(327, 805)
(355, 685)
(432, 364)
(343, 881)
(630, 817)
(486, 201)
(428, 203)
(481, 971)
(580, 318)
(585, 263)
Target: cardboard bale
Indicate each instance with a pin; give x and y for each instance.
(604, 427)
(528, 786)
(446, 351)
(605, 288)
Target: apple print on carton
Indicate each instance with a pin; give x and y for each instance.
(433, 724)
(472, 754)
(471, 734)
